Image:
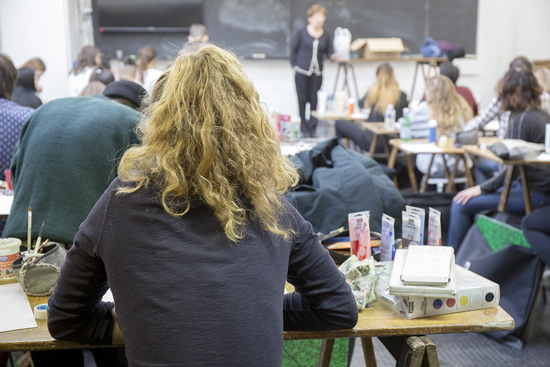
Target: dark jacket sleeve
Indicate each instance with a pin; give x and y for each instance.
(76, 311)
(294, 46)
(322, 300)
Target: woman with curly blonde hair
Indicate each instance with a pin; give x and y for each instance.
(444, 105)
(196, 231)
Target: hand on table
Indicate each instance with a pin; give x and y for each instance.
(465, 195)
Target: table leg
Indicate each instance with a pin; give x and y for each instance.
(414, 81)
(391, 164)
(386, 146)
(431, 358)
(368, 351)
(336, 80)
(451, 185)
(373, 145)
(506, 190)
(408, 351)
(326, 353)
(467, 169)
(427, 176)
(526, 189)
(354, 82)
(410, 170)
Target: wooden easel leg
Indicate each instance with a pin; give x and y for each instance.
(326, 353)
(368, 351)
(407, 351)
(506, 190)
(431, 358)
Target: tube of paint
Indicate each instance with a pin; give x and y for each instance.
(422, 213)
(359, 233)
(387, 246)
(434, 228)
(411, 229)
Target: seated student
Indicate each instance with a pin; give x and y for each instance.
(383, 93)
(484, 169)
(196, 229)
(39, 68)
(450, 110)
(146, 74)
(126, 69)
(537, 232)
(12, 115)
(518, 93)
(24, 92)
(452, 72)
(198, 33)
(88, 60)
(103, 75)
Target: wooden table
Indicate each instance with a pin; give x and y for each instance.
(421, 146)
(379, 129)
(512, 164)
(376, 321)
(347, 65)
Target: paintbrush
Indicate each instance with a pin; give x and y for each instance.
(29, 229)
(39, 239)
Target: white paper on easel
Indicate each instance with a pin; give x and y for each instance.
(15, 310)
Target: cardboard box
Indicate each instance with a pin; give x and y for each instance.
(378, 48)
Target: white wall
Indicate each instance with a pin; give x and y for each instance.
(31, 28)
(506, 28)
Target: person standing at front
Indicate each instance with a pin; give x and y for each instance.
(307, 50)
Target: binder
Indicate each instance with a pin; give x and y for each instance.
(428, 265)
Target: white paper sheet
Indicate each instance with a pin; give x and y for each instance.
(15, 311)
(421, 148)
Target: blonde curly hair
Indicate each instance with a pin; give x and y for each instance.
(447, 107)
(206, 137)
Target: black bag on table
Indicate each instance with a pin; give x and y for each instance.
(516, 269)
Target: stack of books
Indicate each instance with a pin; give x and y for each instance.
(420, 287)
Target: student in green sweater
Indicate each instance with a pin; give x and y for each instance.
(66, 156)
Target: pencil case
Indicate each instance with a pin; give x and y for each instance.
(38, 277)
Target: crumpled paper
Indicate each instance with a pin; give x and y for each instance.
(361, 276)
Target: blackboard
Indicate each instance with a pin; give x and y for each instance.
(265, 27)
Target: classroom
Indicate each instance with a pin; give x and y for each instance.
(226, 170)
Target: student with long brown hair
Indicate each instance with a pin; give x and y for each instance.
(146, 73)
(384, 92)
(88, 60)
(196, 229)
(519, 93)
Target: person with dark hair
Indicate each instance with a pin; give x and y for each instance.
(308, 48)
(196, 229)
(102, 75)
(519, 93)
(24, 92)
(88, 60)
(484, 169)
(452, 72)
(12, 115)
(126, 92)
(383, 93)
(39, 67)
(147, 75)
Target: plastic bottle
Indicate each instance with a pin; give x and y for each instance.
(351, 105)
(405, 131)
(433, 131)
(389, 117)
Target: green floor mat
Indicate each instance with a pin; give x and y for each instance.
(498, 234)
(305, 353)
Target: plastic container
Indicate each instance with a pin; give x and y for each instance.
(389, 117)
(9, 249)
(405, 130)
(433, 131)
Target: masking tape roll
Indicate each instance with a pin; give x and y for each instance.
(41, 311)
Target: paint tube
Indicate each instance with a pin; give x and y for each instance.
(387, 246)
(359, 233)
(434, 228)
(411, 229)
(422, 213)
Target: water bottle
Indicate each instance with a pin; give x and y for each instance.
(433, 128)
(547, 139)
(389, 117)
(405, 131)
